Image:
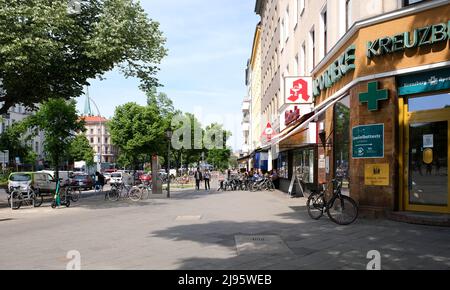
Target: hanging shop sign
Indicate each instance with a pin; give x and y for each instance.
(298, 90)
(337, 70)
(368, 141)
(428, 35)
(373, 96)
(376, 174)
(290, 116)
(424, 82)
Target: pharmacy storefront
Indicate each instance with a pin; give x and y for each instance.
(383, 97)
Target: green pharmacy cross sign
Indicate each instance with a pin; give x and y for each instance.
(373, 96)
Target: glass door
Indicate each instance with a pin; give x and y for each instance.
(427, 155)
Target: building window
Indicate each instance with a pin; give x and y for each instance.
(342, 142)
(303, 165)
(92, 131)
(295, 14)
(312, 51)
(348, 14)
(106, 140)
(411, 2)
(92, 140)
(303, 59)
(325, 33)
(287, 27)
(283, 169)
(301, 6)
(296, 65)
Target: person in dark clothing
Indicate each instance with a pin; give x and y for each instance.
(198, 178)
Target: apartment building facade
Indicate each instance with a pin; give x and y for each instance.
(378, 118)
(16, 114)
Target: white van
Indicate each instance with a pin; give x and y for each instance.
(121, 177)
(65, 176)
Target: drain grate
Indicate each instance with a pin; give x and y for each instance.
(267, 244)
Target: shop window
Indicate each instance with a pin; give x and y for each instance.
(342, 141)
(304, 165)
(411, 2)
(283, 169)
(432, 102)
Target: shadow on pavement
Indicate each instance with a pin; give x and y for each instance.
(316, 244)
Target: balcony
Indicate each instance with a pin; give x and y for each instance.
(245, 126)
(246, 105)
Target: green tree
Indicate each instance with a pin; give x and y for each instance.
(81, 150)
(59, 121)
(47, 52)
(138, 130)
(13, 139)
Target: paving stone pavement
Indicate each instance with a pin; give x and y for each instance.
(151, 235)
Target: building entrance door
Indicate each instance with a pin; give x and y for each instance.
(427, 155)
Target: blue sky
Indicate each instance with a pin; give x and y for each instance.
(209, 43)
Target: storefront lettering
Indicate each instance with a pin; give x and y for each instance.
(419, 37)
(338, 69)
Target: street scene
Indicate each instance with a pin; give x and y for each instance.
(225, 135)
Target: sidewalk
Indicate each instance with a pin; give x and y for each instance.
(212, 230)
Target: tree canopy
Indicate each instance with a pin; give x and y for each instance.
(81, 150)
(59, 121)
(48, 52)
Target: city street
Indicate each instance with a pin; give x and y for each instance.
(210, 230)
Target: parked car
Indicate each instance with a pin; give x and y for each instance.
(107, 177)
(64, 176)
(40, 180)
(116, 178)
(145, 178)
(83, 181)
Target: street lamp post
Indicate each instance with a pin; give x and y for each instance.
(169, 138)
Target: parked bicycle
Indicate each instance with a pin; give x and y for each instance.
(73, 192)
(122, 190)
(262, 184)
(341, 209)
(18, 197)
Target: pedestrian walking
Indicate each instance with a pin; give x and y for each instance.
(198, 178)
(207, 177)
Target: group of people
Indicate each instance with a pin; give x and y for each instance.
(200, 176)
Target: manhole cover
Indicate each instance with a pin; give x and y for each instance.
(188, 217)
(269, 244)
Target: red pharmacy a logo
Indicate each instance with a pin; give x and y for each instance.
(299, 89)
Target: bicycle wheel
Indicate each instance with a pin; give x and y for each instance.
(343, 210)
(135, 194)
(16, 197)
(75, 194)
(315, 206)
(113, 194)
(38, 200)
